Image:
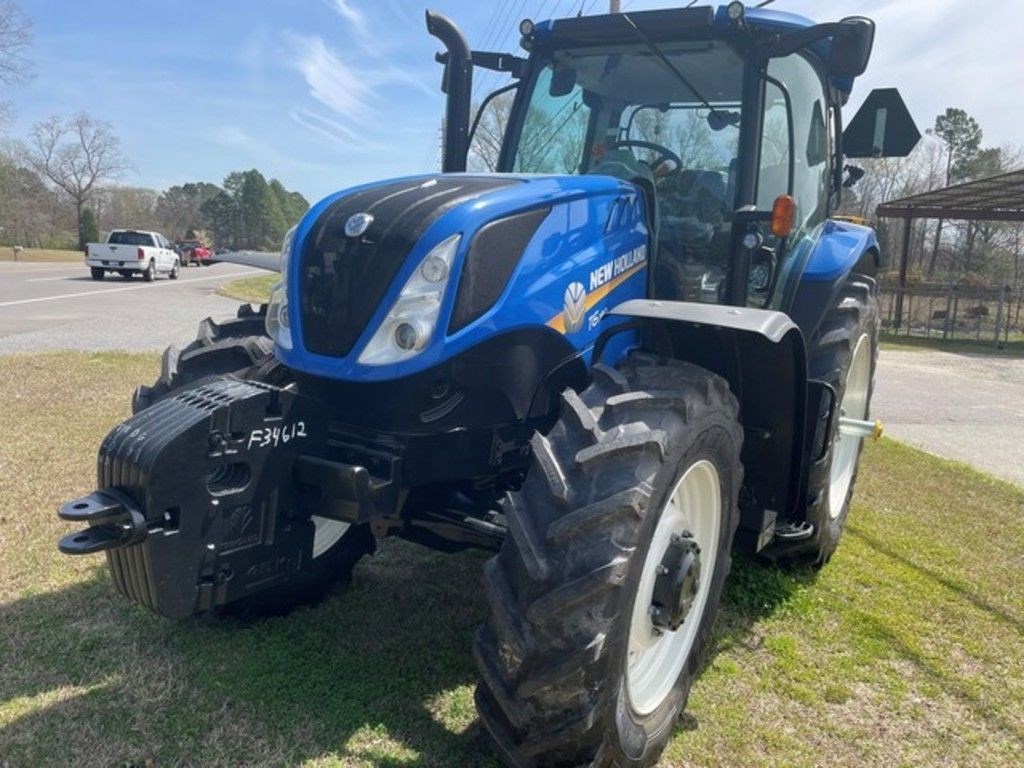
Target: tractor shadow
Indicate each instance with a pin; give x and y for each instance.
(380, 673)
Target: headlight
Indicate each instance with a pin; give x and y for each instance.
(410, 324)
(277, 307)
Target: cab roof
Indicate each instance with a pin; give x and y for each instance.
(673, 24)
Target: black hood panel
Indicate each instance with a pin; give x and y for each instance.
(343, 279)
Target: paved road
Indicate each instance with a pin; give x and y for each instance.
(966, 407)
(47, 307)
(961, 406)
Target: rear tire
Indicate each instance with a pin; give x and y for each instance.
(565, 679)
(240, 348)
(97, 273)
(843, 353)
(150, 274)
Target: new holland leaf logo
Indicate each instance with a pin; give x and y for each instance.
(575, 309)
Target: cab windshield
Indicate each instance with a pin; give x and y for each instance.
(672, 128)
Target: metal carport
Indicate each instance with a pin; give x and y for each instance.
(997, 198)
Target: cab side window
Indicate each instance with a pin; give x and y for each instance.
(773, 173)
(808, 107)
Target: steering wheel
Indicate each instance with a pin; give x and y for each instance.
(665, 152)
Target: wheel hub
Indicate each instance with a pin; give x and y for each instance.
(677, 583)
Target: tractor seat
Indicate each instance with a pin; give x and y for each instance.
(704, 192)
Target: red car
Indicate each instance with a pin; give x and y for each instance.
(194, 252)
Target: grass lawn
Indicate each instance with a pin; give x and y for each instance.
(907, 650)
(255, 290)
(39, 254)
(1013, 348)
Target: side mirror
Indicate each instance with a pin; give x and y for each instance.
(563, 80)
(882, 127)
(853, 175)
(762, 270)
(851, 50)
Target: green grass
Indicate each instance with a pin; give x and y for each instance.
(907, 650)
(254, 290)
(1013, 348)
(40, 255)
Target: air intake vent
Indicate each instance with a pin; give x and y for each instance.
(345, 278)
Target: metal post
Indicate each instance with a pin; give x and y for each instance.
(999, 313)
(902, 285)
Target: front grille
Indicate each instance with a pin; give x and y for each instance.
(345, 278)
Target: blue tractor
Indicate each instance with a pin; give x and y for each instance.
(641, 343)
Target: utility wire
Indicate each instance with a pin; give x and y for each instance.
(498, 26)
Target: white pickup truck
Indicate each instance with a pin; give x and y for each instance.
(128, 251)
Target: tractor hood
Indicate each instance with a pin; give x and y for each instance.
(365, 260)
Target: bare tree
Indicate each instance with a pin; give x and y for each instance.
(75, 155)
(486, 145)
(15, 37)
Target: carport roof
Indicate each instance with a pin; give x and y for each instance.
(997, 198)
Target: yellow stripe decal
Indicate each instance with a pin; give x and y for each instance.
(558, 321)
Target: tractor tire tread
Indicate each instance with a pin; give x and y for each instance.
(830, 353)
(543, 651)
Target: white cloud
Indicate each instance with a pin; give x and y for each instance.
(337, 135)
(352, 15)
(332, 82)
(348, 91)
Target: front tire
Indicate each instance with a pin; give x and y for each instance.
(174, 271)
(579, 661)
(240, 348)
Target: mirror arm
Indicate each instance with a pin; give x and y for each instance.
(791, 42)
(496, 62)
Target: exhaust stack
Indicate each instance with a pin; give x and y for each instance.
(458, 85)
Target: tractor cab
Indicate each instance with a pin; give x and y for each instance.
(728, 120)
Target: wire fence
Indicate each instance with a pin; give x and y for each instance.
(954, 312)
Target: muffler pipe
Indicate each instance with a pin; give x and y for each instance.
(458, 85)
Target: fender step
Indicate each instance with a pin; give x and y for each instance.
(794, 530)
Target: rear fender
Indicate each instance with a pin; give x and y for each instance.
(761, 354)
(841, 249)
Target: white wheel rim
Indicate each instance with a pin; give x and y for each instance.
(327, 534)
(656, 657)
(846, 449)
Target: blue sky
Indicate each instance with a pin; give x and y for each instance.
(323, 94)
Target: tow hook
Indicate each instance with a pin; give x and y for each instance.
(113, 522)
(858, 428)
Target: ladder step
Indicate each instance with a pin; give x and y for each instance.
(794, 530)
